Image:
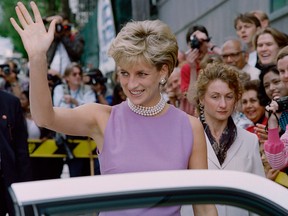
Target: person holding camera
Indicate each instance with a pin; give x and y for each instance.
(70, 94)
(13, 82)
(97, 81)
(276, 147)
(199, 44)
(66, 47)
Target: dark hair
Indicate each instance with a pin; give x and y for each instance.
(14, 65)
(26, 93)
(254, 85)
(194, 28)
(264, 99)
(116, 96)
(96, 76)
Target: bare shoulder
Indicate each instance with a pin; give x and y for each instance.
(195, 123)
(198, 158)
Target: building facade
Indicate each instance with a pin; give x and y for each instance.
(217, 15)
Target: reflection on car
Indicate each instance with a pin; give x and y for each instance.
(93, 194)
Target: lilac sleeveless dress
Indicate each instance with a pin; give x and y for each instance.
(134, 143)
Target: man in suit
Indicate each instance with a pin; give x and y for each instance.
(14, 154)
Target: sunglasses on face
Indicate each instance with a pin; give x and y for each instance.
(75, 74)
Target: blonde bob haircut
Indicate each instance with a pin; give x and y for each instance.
(150, 41)
(217, 71)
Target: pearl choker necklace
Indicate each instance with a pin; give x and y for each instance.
(148, 111)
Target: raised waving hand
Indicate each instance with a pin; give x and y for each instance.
(35, 37)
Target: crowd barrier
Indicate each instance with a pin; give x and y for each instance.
(49, 148)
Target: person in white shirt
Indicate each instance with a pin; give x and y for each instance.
(73, 93)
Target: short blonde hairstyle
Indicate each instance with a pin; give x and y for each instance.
(151, 41)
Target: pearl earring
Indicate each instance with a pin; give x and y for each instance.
(162, 81)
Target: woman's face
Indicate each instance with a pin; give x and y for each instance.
(140, 83)
(266, 48)
(218, 101)
(251, 106)
(273, 85)
(246, 31)
(24, 101)
(282, 66)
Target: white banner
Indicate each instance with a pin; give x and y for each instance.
(106, 33)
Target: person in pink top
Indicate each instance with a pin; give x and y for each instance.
(276, 147)
(133, 136)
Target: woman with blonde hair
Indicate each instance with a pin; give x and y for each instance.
(140, 134)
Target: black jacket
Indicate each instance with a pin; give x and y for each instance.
(15, 161)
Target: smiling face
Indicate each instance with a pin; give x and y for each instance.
(282, 66)
(140, 83)
(266, 48)
(273, 85)
(251, 106)
(218, 101)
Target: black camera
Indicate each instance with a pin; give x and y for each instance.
(282, 104)
(101, 80)
(194, 42)
(60, 28)
(5, 68)
(96, 77)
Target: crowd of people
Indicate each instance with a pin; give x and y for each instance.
(232, 95)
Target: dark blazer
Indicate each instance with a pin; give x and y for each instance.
(15, 161)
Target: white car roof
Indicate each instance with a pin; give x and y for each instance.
(63, 189)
